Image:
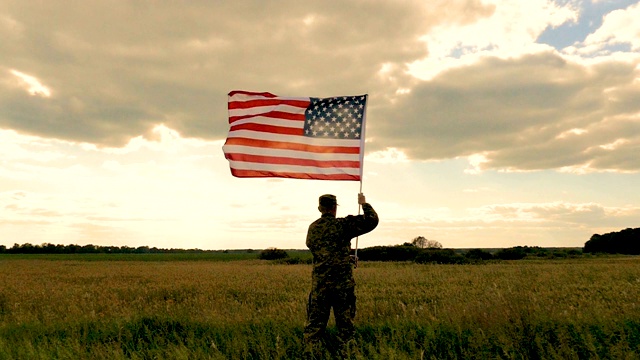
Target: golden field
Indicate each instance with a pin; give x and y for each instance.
(62, 307)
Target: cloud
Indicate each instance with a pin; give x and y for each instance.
(531, 112)
(118, 69)
(447, 79)
(507, 29)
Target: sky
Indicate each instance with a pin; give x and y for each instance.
(490, 123)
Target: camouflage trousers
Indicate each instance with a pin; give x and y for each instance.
(321, 301)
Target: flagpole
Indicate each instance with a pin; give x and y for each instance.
(364, 125)
(359, 208)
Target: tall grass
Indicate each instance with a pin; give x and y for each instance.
(251, 309)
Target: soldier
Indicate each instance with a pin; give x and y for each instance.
(329, 239)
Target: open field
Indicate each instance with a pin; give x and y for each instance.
(69, 308)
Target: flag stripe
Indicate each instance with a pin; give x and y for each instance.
(249, 104)
(239, 94)
(257, 143)
(316, 145)
(292, 168)
(271, 114)
(291, 161)
(241, 173)
(261, 110)
(239, 149)
(267, 129)
(270, 121)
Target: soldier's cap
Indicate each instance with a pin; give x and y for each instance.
(328, 200)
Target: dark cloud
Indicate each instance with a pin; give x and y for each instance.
(117, 68)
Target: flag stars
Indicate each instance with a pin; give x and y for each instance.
(338, 118)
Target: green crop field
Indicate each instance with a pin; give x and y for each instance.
(159, 307)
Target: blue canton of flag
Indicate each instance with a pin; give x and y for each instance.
(335, 118)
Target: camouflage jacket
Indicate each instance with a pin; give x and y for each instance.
(329, 239)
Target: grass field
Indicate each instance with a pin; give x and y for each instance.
(163, 307)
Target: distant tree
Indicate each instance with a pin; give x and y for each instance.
(514, 253)
(142, 250)
(273, 254)
(424, 243)
(440, 256)
(574, 252)
(626, 241)
(478, 254)
(90, 249)
(406, 252)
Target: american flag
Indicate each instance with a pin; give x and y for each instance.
(295, 137)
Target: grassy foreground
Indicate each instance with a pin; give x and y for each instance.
(248, 309)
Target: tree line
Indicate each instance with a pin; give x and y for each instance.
(92, 249)
(420, 250)
(410, 252)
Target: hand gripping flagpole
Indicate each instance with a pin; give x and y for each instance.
(362, 137)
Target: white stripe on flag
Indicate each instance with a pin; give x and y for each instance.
(264, 109)
(297, 139)
(296, 124)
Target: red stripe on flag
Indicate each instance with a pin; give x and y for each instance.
(268, 129)
(267, 102)
(265, 94)
(292, 161)
(253, 173)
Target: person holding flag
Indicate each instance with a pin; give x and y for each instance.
(333, 285)
(316, 139)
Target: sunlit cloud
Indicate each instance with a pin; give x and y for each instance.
(475, 162)
(32, 84)
(509, 30)
(570, 133)
(619, 26)
(614, 145)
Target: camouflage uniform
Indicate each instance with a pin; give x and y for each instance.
(329, 239)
